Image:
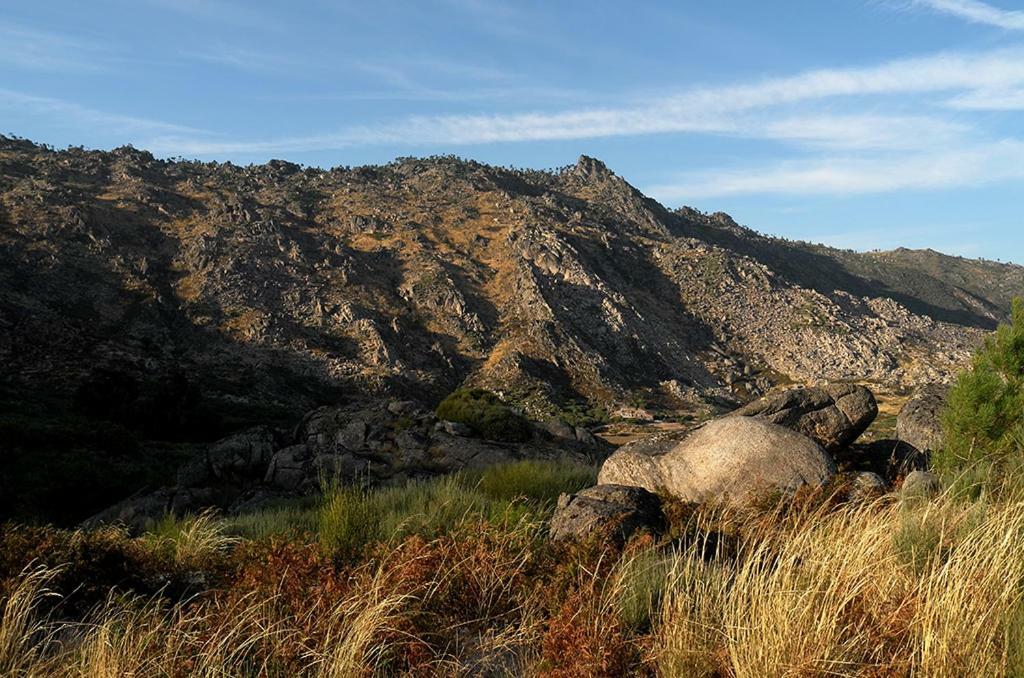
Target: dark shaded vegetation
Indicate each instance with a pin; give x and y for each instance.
(61, 468)
(485, 413)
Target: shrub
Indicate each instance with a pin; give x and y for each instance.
(581, 414)
(348, 521)
(485, 414)
(190, 542)
(983, 421)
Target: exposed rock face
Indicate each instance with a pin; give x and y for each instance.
(618, 511)
(735, 457)
(833, 415)
(213, 292)
(918, 423)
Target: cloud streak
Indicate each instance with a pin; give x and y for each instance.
(977, 12)
(732, 110)
(972, 165)
(34, 50)
(71, 113)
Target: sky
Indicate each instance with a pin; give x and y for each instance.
(863, 124)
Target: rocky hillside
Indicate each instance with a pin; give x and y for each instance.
(176, 296)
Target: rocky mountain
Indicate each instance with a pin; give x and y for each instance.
(187, 298)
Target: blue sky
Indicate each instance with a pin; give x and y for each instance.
(858, 123)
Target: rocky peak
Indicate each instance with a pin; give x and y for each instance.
(592, 169)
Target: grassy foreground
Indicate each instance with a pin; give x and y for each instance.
(455, 577)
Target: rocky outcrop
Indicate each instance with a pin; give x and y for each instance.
(919, 421)
(833, 415)
(372, 444)
(237, 458)
(614, 511)
(737, 458)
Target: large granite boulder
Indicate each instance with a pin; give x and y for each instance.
(618, 511)
(737, 458)
(919, 422)
(833, 415)
(240, 457)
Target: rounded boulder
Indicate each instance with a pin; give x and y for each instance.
(736, 458)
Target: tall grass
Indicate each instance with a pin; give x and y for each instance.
(194, 539)
(133, 637)
(351, 517)
(835, 593)
(930, 587)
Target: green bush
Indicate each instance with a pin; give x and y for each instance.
(347, 521)
(485, 414)
(582, 414)
(983, 420)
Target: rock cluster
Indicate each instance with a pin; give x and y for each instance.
(779, 444)
(833, 415)
(369, 444)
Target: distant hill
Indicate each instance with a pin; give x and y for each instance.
(171, 294)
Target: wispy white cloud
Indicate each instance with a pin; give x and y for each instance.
(969, 165)
(72, 114)
(245, 59)
(717, 110)
(32, 49)
(230, 14)
(859, 131)
(1011, 99)
(978, 12)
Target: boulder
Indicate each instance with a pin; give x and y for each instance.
(833, 415)
(737, 458)
(558, 430)
(288, 468)
(616, 510)
(136, 512)
(454, 428)
(920, 484)
(867, 485)
(918, 423)
(585, 437)
(239, 457)
(403, 408)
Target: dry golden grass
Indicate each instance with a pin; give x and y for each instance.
(928, 588)
(931, 589)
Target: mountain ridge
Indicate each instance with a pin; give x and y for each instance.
(235, 291)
